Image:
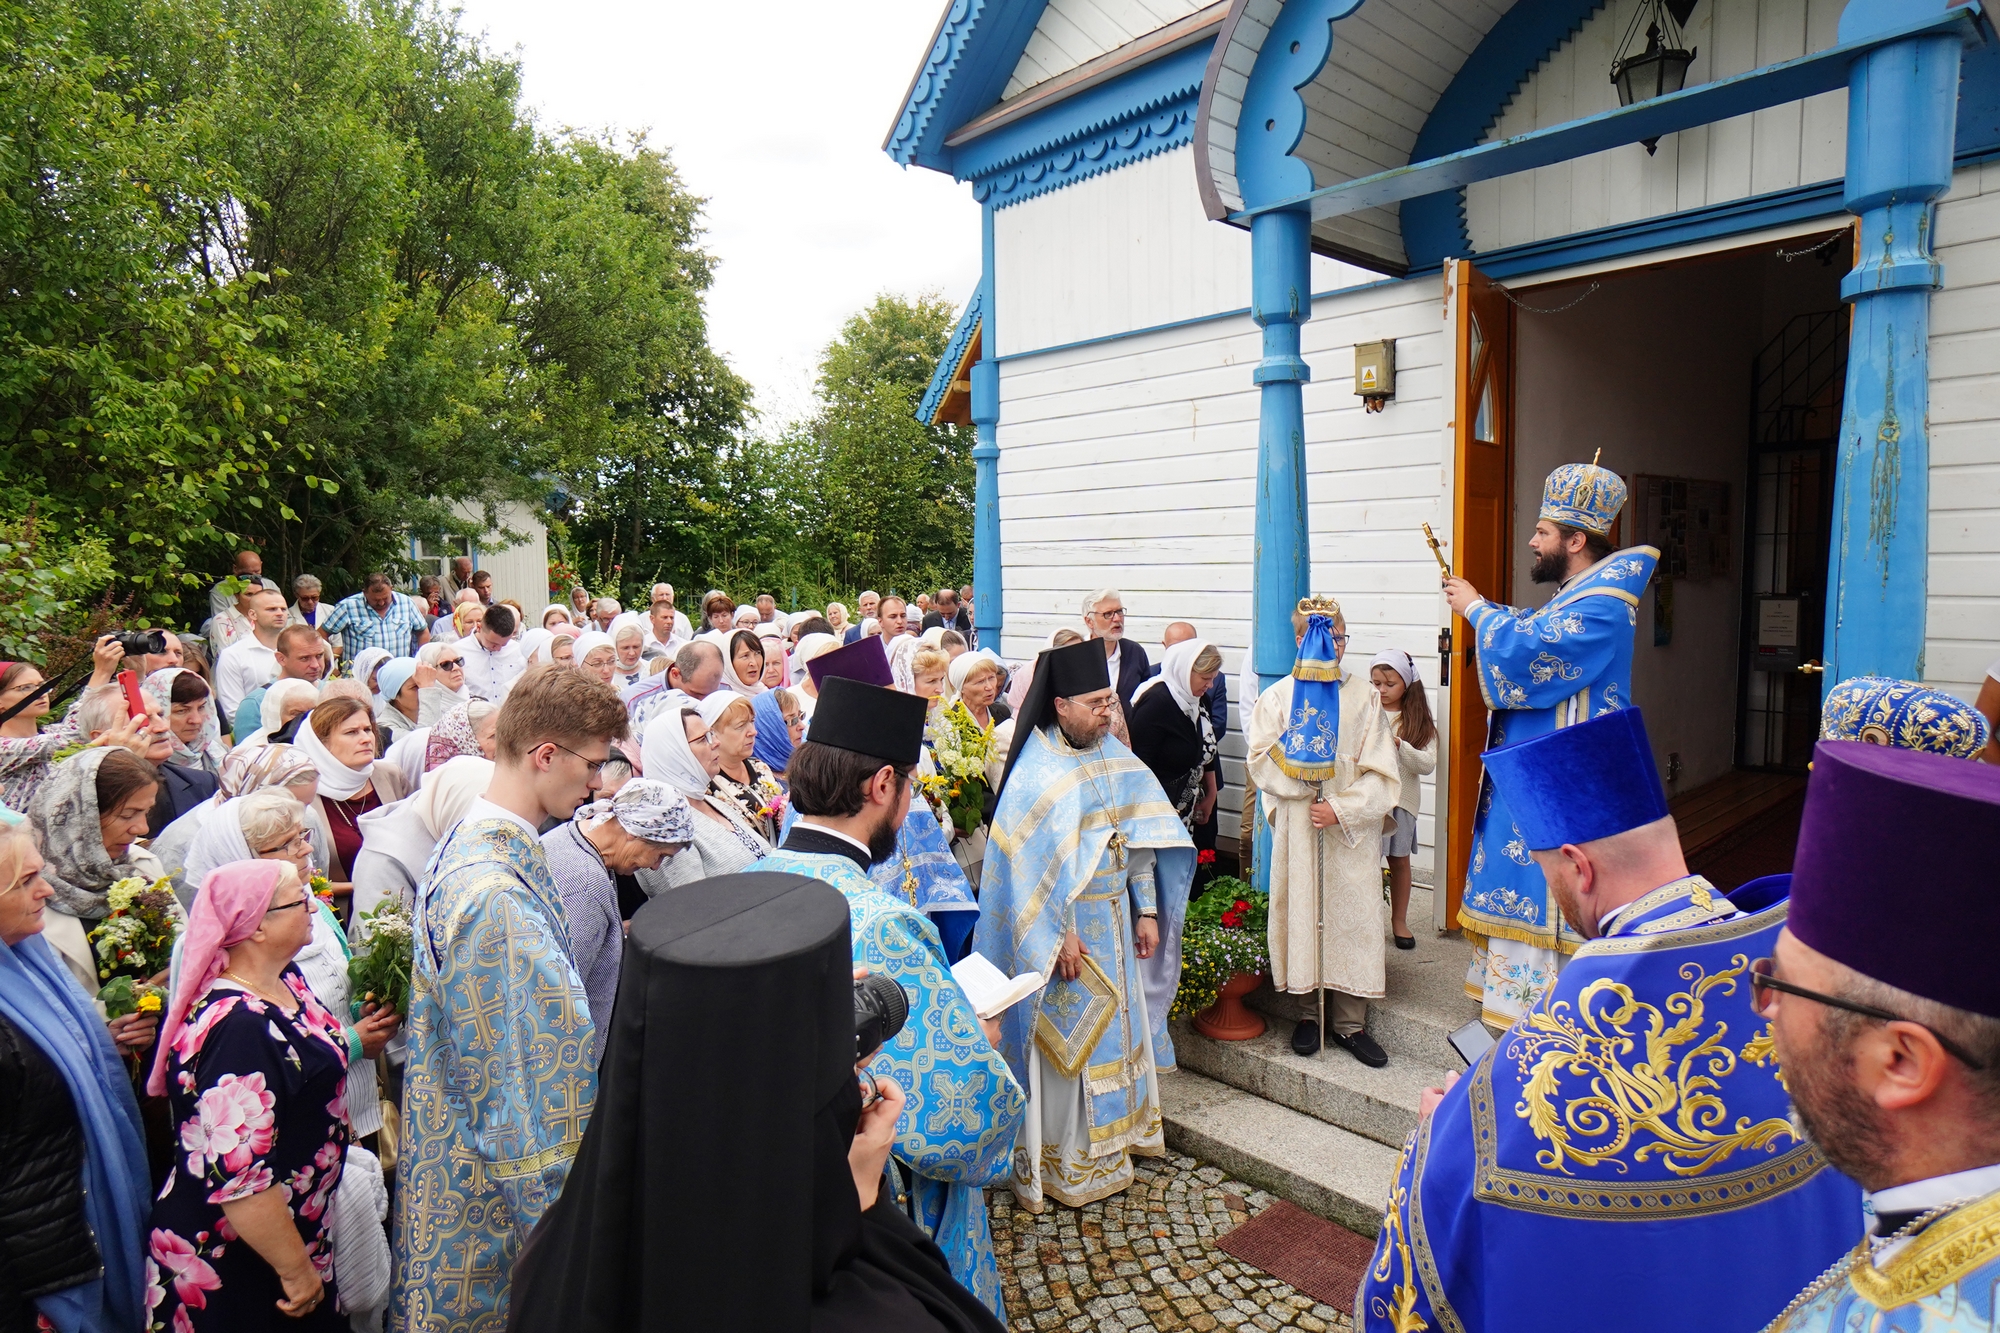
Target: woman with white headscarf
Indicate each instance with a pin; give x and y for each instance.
(628, 642)
(643, 825)
(351, 781)
(366, 663)
(284, 703)
(557, 613)
(559, 649)
(1171, 731)
(440, 688)
(743, 663)
(246, 770)
(397, 840)
(596, 655)
(396, 703)
(677, 751)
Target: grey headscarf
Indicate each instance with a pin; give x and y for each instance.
(64, 814)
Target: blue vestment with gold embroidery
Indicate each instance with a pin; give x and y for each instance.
(1624, 1158)
(1539, 670)
(924, 874)
(501, 1080)
(1944, 1280)
(963, 1107)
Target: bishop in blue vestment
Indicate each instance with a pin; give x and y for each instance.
(1085, 856)
(1624, 1158)
(1540, 669)
(963, 1107)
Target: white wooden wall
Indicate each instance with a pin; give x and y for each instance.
(1130, 249)
(1132, 464)
(1962, 620)
(1786, 146)
(1073, 32)
(521, 572)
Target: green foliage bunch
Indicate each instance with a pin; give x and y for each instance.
(303, 275)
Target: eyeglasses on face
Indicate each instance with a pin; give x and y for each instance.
(1764, 979)
(450, 663)
(297, 838)
(275, 908)
(596, 766)
(1102, 707)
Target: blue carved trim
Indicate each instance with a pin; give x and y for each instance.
(1136, 115)
(954, 352)
(1526, 35)
(1274, 114)
(977, 45)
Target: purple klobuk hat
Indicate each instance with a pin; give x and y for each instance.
(864, 660)
(1894, 872)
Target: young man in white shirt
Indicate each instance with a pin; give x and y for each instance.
(252, 661)
(492, 658)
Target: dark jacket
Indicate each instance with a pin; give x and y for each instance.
(1168, 743)
(1133, 668)
(181, 790)
(45, 1240)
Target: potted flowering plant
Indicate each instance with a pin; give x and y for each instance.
(380, 968)
(960, 748)
(1224, 955)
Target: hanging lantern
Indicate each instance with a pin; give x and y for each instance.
(1660, 68)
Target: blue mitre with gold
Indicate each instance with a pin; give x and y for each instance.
(1309, 748)
(1880, 710)
(1635, 1115)
(1583, 495)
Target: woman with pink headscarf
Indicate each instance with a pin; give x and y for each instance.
(252, 1066)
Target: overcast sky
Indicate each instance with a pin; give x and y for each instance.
(776, 113)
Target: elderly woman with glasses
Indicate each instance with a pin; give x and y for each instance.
(252, 1064)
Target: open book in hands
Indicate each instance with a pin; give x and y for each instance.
(991, 991)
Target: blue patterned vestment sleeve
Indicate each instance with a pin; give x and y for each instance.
(1946, 1279)
(963, 1105)
(1635, 1115)
(1539, 659)
(501, 1077)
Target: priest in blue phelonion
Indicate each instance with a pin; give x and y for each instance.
(1885, 1006)
(1625, 1157)
(850, 784)
(1540, 669)
(921, 869)
(1086, 860)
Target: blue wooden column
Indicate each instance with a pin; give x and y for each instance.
(988, 601)
(1901, 114)
(1281, 300)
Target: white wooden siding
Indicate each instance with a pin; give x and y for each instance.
(1126, 250)
(1073, 32)
(1962, 616)
(521, 572)
(1132, 464)
(1786, 146)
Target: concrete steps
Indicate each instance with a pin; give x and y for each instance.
(1324, 1131)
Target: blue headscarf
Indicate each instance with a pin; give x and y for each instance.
(40, 997)
(773, 746)
(1309, 748)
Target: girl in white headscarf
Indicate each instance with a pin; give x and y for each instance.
(677, 751)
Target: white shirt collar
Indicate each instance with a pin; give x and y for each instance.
(818, 827)
(1724, 909)
(1921, 1196)
(485, 809)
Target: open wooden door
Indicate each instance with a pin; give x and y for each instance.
(1482, 513)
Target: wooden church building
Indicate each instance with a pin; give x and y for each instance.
(1269, 284)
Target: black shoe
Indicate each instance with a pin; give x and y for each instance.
(1362, 1047)
(1406, 941)
(1305, 1037)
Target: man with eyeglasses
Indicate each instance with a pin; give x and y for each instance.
(1632, 1128)
(1883, 1000)
(501, 1076)
(1104, 617)
(1085, 881)
(1541, 668)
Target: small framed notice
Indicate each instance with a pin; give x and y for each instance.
(1779, 617)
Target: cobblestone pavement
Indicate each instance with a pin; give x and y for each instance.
(1145, 1259)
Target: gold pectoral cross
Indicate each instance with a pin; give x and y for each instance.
(1118, 841)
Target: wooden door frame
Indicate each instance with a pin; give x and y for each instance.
(1459, 770)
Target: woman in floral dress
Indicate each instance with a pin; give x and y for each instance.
(252, 1065)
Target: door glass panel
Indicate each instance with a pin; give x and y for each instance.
(1482, 424)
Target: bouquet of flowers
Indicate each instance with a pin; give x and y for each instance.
(380, 968)
(1224, 934)
(136, 937)
(959, 748)
(321, 888)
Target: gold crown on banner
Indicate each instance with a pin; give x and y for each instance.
(1319, 604)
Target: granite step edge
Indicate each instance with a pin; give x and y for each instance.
(1378, 1104)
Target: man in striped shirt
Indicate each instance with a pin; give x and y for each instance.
(377, 617)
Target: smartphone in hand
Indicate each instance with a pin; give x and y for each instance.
(1472, 1041)
(135, 702)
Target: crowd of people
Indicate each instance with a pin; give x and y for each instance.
(573, 818)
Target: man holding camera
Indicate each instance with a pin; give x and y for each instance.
(850, 783)
(1635, 1118)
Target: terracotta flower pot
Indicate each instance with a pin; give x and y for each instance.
(1227, 1019)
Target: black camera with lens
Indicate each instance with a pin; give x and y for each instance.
(141, 642)
(880, 1010)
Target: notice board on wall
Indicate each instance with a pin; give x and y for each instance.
(1688, 520)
